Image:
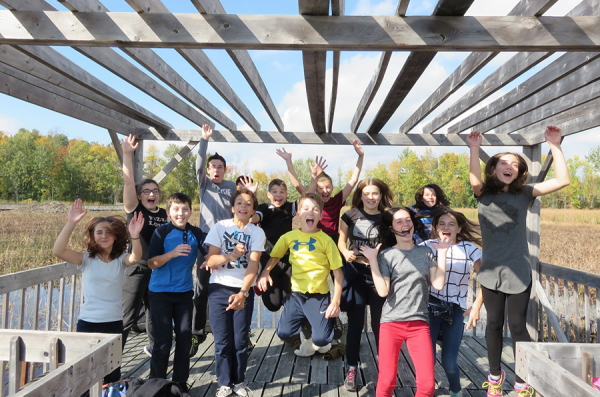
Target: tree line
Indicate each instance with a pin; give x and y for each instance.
(38, 167)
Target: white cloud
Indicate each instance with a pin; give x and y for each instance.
(9, 124)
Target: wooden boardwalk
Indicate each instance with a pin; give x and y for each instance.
(274, 370)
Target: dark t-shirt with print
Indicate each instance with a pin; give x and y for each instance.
(361, 230)
(152, 220)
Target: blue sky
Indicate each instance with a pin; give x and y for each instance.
(282, 72)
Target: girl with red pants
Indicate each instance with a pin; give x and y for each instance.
(402, 273)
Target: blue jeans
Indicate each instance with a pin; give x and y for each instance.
(230, 329)
(450, 322)
(171, 310)
(112, 327)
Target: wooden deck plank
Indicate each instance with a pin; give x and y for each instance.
(269, 364)
(292, 390)
(301, 370)
(318, 373)
(405, 370)
(310, 390)
(272, 390)
(404, 392)
(473, 377)
(335, 371)
(328, 390)
(346, 393)
(263, 340)
(367, 390)
(441, 379)
(286, 364)
(480, 354)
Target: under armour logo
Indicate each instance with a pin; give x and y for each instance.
(310, 243)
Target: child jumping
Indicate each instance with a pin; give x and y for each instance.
(235, 246)
(332, 206)
(102, 266)
(313, 255)
(174, 249)
(505, 273)
(448, 307)
(402, 273)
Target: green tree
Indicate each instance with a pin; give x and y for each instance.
(152, 162)
(183, 177)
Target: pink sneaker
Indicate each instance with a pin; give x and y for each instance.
(526, 391)
(494, 387)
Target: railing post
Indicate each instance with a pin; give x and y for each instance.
(14, 366)
(534, 156)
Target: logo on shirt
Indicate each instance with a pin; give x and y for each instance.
(310, 243)
(224, 191)
(155, 221)
(233, 239)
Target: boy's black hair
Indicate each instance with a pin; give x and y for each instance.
(178, 198)
(440, 200)
(216, 156)
(244, 191)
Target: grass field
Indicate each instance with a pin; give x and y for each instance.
(569, 238)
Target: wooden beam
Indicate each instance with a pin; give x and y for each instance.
(203, 65)
(414, 66)
(546, 78)
(377, 78)
(49, 100)
(483, 156)
(314, 68)
(175, 161)
(338, 7)
(469, 67)
(526, 112)
(117, 145)
(337, 138)
(60, 64)
(138, 162)
(245, 64)
(506, 73)
(572, 121)
(307, 33)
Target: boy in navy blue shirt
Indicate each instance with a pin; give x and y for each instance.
(174, 249)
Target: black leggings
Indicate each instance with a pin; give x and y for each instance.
(495, 303)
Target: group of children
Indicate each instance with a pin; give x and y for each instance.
(415, 292)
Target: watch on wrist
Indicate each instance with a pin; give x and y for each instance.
(245, 293)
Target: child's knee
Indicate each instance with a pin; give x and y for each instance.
(285, 334)
(322, 340)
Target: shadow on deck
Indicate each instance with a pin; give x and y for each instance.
(274, 370)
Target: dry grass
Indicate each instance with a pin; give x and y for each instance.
(569, 238)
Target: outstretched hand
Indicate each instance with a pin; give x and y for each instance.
(264, 281)
(136, 225)
(318, 167)
(129, 144)
(247, 184)
(76, 212)
(442, 244)
(287, 156)
(553, 134)
(474, 139)
(370, 253)
(358, 147)
(473, 314)
(207, 132)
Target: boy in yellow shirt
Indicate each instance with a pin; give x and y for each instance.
(313, 254)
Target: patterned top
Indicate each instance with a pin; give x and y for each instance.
(460, 259)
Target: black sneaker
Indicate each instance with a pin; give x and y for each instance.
(350, 382)
(195, 343)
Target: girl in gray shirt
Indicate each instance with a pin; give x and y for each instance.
(402, 273)
(505, 273)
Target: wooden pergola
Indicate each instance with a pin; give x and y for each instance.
(564, 93)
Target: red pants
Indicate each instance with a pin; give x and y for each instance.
(418, 341)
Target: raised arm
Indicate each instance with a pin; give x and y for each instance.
(356, 172)
(561, 171)
(135, 228)
(76, 213)
(316, 169)
(287, 156)
(382, 284)
(201, 158)
(130, 199)
(474, 141)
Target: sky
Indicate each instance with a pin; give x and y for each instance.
(282, 72)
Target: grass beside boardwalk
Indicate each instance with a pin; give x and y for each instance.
(569, 238)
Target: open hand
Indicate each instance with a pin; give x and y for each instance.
(207, 132)
(181, 250)
(76, 212)
(136, 225)
(370, 253)
(287, 156)
(247, 184)
(264, 281)
(553, 135)
(358, 147)
(318, 167)
(473, 313)
(474, 139)
(129, 144)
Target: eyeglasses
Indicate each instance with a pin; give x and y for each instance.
(147, 192)
(218, 167)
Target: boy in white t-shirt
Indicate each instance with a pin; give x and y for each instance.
(235, 246)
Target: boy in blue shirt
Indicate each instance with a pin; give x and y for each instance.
(174, 249)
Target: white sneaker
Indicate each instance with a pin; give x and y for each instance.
(224, 391)
(242, 390)
(322, 349)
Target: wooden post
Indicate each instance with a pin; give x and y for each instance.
(14, 366)
(587, 368)
(138, 162)
(533, 154)
(116, 144)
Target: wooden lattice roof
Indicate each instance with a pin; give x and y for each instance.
(565, 92)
